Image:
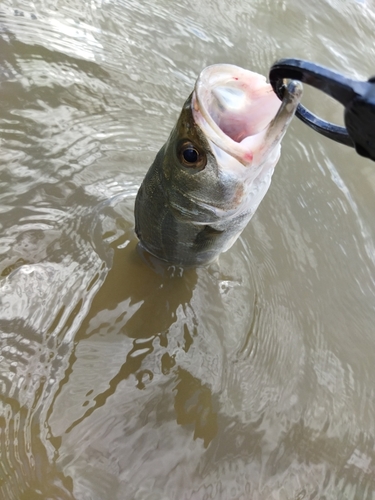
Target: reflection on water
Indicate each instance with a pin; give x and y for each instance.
(249, 379)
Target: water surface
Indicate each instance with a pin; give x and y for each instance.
(249, 379)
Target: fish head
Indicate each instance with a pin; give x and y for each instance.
(196, 185)
(216, 166)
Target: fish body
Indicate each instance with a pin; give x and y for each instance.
(210, 176)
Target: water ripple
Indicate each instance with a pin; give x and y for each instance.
(249, 379)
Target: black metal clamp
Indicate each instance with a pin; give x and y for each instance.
(357, 97)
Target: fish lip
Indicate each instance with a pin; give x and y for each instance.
(208, 79)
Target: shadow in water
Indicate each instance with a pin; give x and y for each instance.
(194, 406)
(144, 301)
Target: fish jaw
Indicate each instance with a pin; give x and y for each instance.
(243, 122)
(238, 112)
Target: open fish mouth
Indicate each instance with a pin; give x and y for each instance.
(235, 109)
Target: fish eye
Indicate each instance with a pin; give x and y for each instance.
(190, 156)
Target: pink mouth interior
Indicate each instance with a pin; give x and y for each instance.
(243, 107)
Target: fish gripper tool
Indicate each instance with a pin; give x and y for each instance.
(357, 97)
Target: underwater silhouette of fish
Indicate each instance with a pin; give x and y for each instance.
(207, 181)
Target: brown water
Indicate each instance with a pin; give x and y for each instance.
(251, 379)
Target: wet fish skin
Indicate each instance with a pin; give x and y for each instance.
(169, 223)
(187, 213)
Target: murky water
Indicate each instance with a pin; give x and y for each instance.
(250, 379)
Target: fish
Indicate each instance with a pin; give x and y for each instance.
(208, 179)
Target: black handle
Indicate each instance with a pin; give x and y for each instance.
(358, 98)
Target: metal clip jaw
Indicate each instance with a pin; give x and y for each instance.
(357, 97)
